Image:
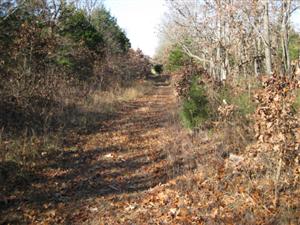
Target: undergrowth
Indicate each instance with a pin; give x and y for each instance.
(200, 103)
(245, 170)
(74, 119)
(196, 108)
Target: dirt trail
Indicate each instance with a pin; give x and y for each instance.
(112, 168)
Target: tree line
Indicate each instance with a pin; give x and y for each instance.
(54, 53)
(236, 64)
(233, 38)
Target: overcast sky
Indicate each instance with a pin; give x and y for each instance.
(141, 18)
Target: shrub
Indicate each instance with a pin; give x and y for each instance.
(196, 108)
(242, 99)
(177, 58)
(113, 35)
(75, 25)
(244, 103)
(51, 64)
(296, 105)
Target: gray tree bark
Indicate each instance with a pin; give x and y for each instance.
(267, 42)
(286, 6)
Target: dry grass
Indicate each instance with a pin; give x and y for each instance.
(224, 183)
(220, 188)
(25, 150)
(107, 101)
(74, 120)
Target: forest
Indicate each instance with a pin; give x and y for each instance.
(206, 131)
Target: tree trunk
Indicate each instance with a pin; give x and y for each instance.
(284, 35)
(256, 66)
(268, 59)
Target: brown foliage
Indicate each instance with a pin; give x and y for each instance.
(184, 76)
(275, 120)
(275, 127)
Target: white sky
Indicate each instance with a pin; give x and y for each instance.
(296, 20)
(141, 18)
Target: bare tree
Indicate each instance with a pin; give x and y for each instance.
(267, 42)
(232, 37)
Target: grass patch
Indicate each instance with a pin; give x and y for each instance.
(241, 99)
(26, 150)
(245, 104)
(107, 101)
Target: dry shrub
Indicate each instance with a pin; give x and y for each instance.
(276, 152)
(232, 125)
(191, 150)
(44, 93)
(233, 128)
(262, 183)
(121, 70)
(181, 152)
(71, 117)
(253, 183)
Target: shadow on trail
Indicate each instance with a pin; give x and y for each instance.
(70, 178)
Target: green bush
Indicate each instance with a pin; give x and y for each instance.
(294, 46)
(114, 37)
(176, 59)
(75, 25)
(196, 108)
(242, 100)
(64, 61)
(245, 105)
(296, 105)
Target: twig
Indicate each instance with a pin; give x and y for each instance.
(276, 200)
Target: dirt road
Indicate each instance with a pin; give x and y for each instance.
(111, 169)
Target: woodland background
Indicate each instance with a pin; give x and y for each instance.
(230, 152)
(56, 58)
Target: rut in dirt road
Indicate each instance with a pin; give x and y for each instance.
(113, 165)
(133, 144)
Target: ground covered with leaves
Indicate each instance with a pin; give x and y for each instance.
(141, 167)
(99, 172)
